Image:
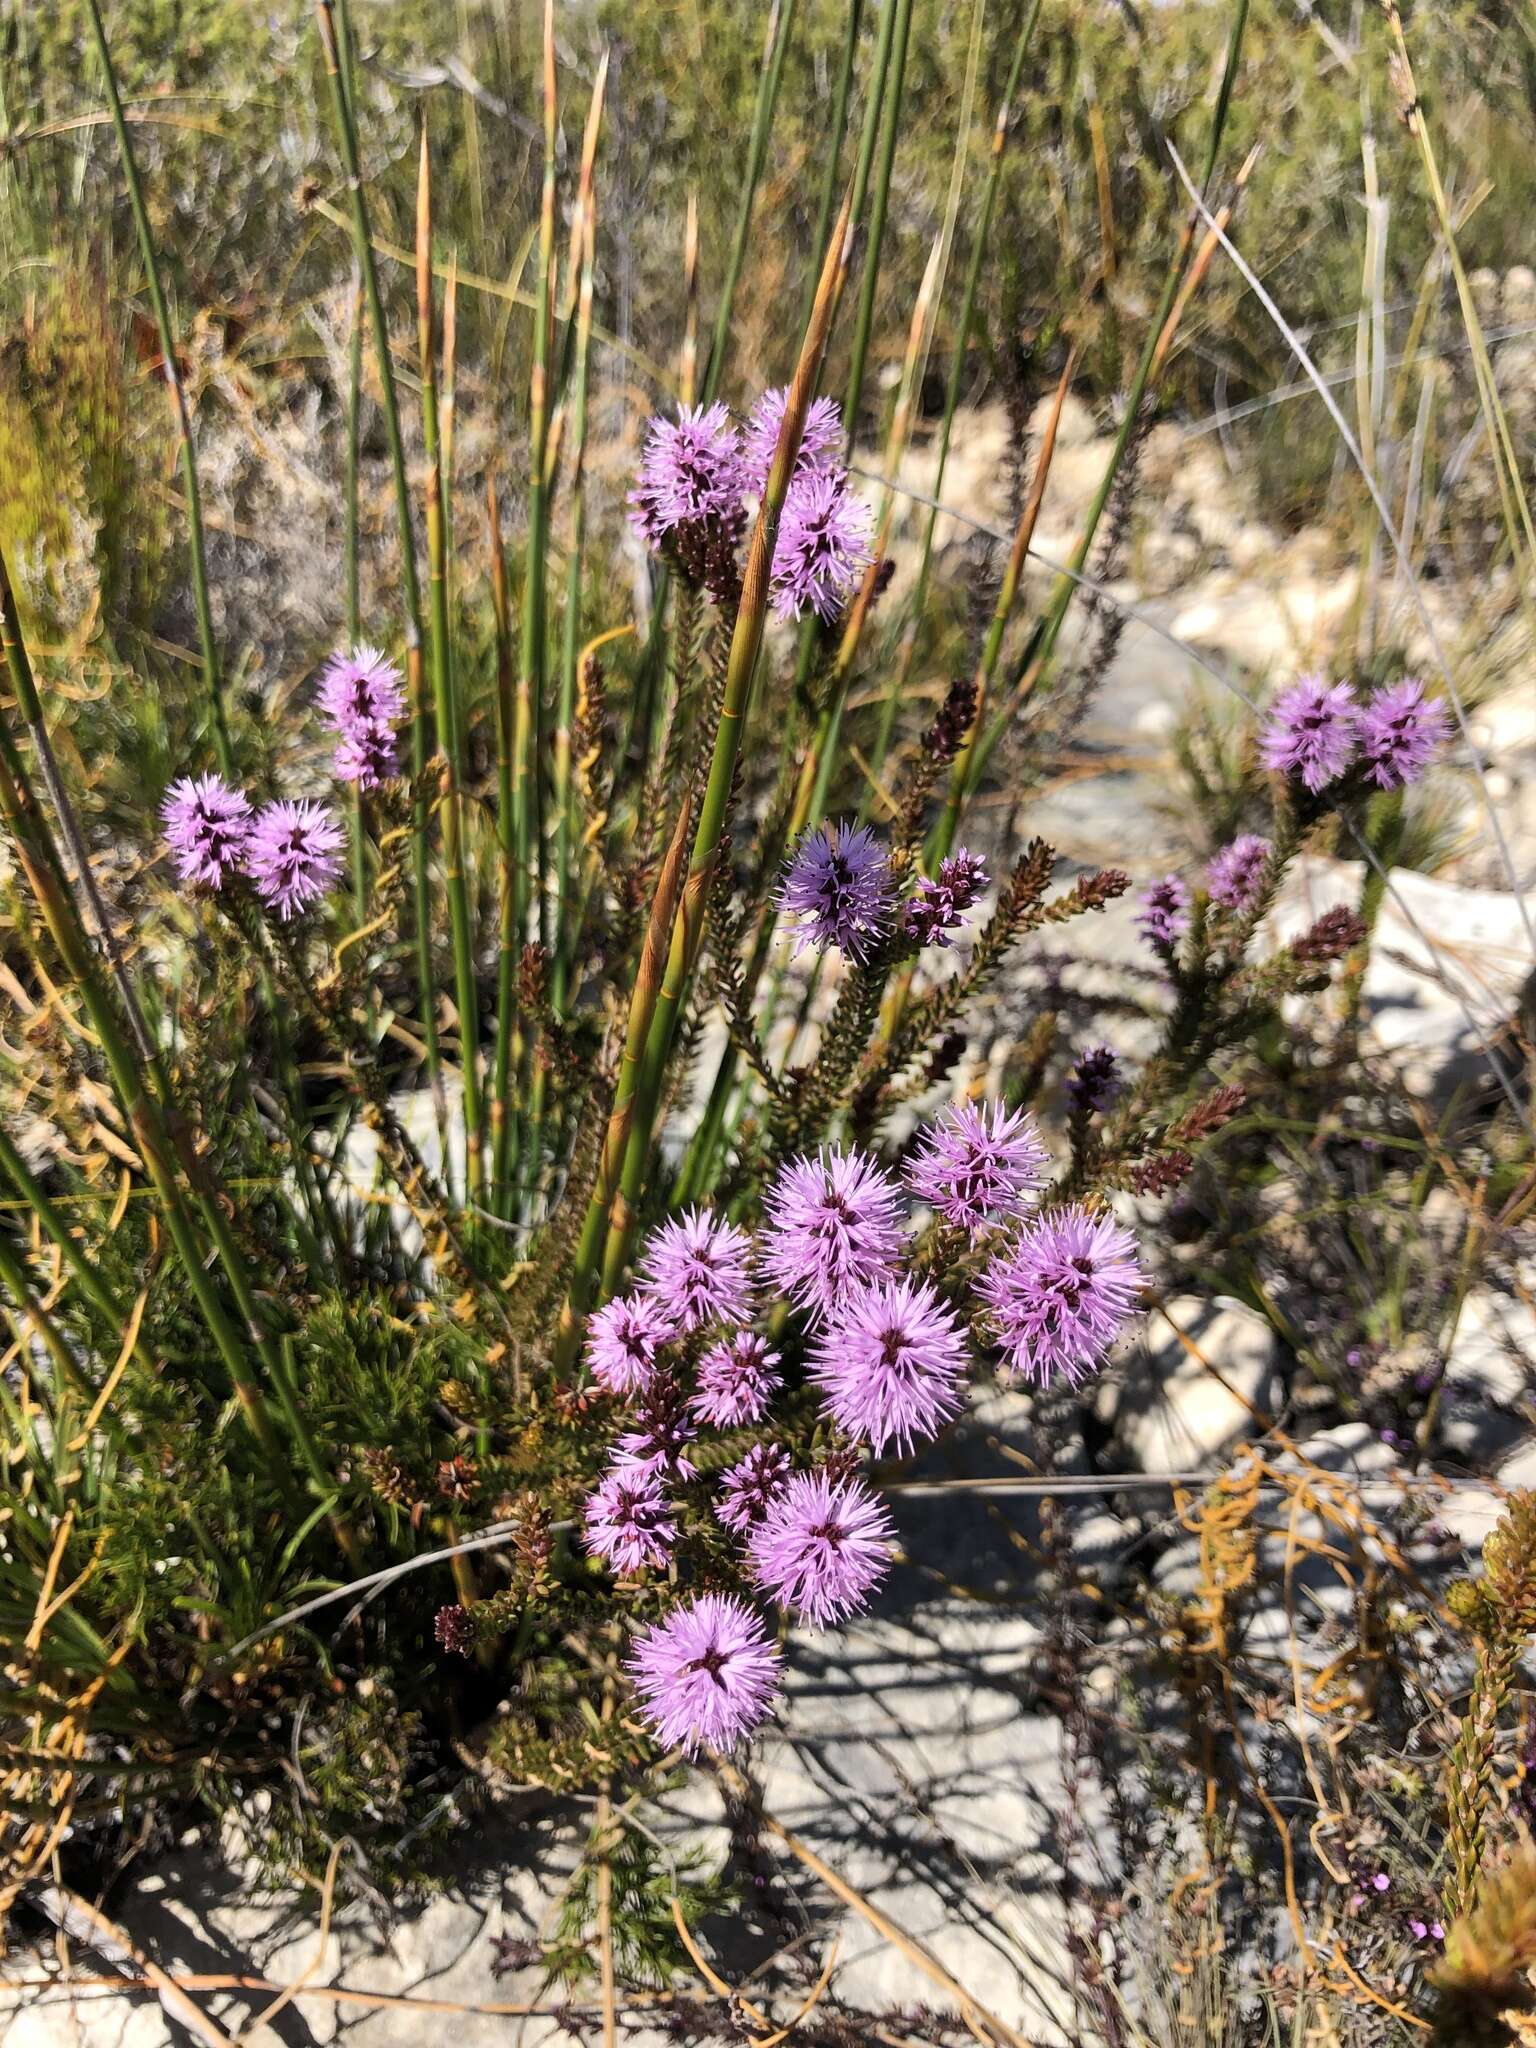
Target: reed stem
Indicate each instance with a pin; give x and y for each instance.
(213, 679)
(332, 39)
(741, 668)
(466, 989)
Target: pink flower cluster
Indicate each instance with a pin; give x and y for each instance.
(886, 1353)
(1317, 731)
(361, 695)
(698, 469)
(291, 852)
(838, 891)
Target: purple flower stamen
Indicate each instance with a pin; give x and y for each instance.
(822, 1547)
(293, 855)
(978, 1163)
(891, 1364)
(207, 827)
(706, 1675)
(1061, 1293)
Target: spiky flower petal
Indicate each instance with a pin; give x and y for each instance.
(1401, 731)
(706, 1675)
(891, 1364)
(750, 1484)
(823, 545)
(822, 1547)
(823, 433)
(629, 1521)
(207, 827)
(1164, 912)
(939, 905)
(832, 1223)
(838, 888)
(1311, 732)
(699, 1268)
(360, 686)
(977, 1163)
(691, 469)
(293, 855)
(1058, 1296)
(623, 1338)
(1236, 874)
(738, 1379)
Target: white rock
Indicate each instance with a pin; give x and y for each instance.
(1186, 1407)
(1447, 966)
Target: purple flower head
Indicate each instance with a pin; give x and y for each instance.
(359, 688)
(1094, 1081)
(293, 855)
(737, 1381)
(662, 1432)
(1059, 1296)
(706, 1675)
(748, 1487)
(629, 1520)
(691, 469)
(939, 905)
(699, 1268)
(1401, 731)
(623, 1338)
(207, 827)
(977, 1163)
(822, 1547)
(824, 545)
(1164, 912)
(368, 755)
(833, 1223)
(823, 433)
(891, 1363)
(1237, 872)
(838, 886)
(1311, 731)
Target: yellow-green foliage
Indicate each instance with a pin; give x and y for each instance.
(70, 432)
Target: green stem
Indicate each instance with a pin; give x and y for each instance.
(741, 669)
(212, 674)
(147, 1122)
(466, 989)
(831, 176)
(956, 378)
(1041, 645)
(332, 44)
(781, 22)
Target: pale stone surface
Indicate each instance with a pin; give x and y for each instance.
(1175, 1411)
(1447, 971)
